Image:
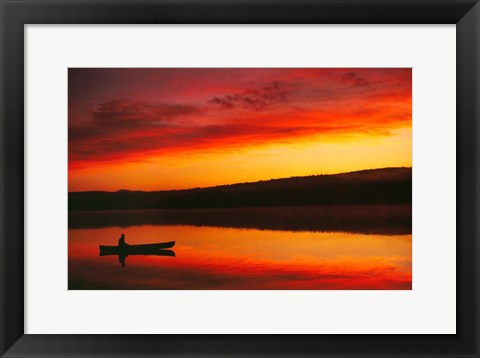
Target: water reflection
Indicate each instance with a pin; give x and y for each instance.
(365, 219)
(219, 258)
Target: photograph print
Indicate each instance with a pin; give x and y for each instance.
(239, 179)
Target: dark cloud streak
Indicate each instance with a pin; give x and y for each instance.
(352, 79)
(256, 99)
(120, 116)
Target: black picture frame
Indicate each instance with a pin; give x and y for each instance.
(16, 13)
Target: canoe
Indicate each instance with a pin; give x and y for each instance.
(144, 249)
(163, 253)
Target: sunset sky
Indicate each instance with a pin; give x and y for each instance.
(175, 128)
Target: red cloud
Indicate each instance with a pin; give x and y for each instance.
(285, 105)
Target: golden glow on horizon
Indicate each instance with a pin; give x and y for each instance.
(186, 170)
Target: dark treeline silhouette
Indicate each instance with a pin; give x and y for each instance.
(376, 186)
(392, 219)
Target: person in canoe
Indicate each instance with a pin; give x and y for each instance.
(121, 241)
(122, 248)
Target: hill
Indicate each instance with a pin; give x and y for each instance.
(375, 186)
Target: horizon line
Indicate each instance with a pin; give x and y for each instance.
(222, 185)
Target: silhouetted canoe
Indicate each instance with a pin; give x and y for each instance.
(136, 249)
(161, 252)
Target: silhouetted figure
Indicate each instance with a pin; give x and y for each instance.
(123, 249)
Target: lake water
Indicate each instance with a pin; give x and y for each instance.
(219, 257)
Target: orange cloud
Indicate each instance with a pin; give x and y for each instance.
(125, 117)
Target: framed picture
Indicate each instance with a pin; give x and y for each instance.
(240, 179)
(248, 179)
